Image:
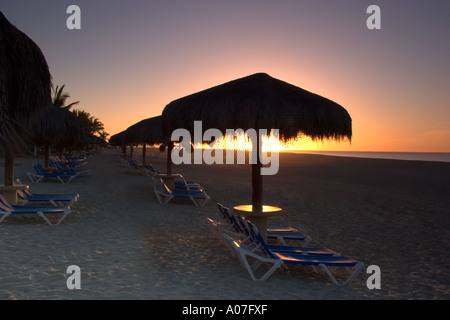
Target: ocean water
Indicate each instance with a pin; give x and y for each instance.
(415, 156)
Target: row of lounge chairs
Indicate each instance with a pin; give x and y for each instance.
(6, 209)
(52, 208)
(63, 175)
(135, 167)
(25, 197)
(182, 189)
(243, 239)
(42, 205)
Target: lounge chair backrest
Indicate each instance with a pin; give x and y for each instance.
(222, 211)
(24, 192)
(163, 186)
(133, 163)
(148, 166)
(229, 217)
(256, 237)
(226, 213)
(3, 207)
(21, 194)
(39, 168)
(4, 204)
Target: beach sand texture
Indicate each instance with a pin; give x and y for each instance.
(394, 214)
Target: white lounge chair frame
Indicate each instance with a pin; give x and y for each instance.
(5, 214)
(164, 194)
(243, 254)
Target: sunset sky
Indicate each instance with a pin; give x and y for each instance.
(131, 58)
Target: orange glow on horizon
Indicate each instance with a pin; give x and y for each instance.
(270, 143)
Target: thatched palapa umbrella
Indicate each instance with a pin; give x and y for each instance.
(117, 139)
(57, 127)
(148, 131)
(25, 88)
(88, 139)
(260, 102)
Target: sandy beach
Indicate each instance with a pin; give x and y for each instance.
(390, 213)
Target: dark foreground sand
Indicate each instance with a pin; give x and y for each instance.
(394, 214)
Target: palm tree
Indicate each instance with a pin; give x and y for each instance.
(84, 119)
(89, 124)
(59, 98)
(96, 126)
(103, 135)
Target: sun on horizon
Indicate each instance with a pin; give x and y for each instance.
(270, 143)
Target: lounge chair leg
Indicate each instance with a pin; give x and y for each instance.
(42, 215)
(34, 178)
(193, 200)
(4, 215)
(357, 269)
(243, 258)
(167, 198)
(64, 181)
(62, 218)
(45, 218)
(202, 203)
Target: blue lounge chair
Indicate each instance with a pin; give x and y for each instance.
(252, 236)
(6, 209)
(281, 234)
(181, 183)
(64, 165)
(253, 244)
(263, 254)
(165, 194)
(150, 170)
(145, 168)
(40, 173)
(59, 199)
(134, 165)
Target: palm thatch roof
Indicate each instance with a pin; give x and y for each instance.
(25, 80)
(117, 139)
(57, 127)
(148, 131)
(88, 139)
(259, 101)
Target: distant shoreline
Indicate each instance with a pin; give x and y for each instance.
(411, 156)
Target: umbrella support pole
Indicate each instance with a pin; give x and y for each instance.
(257, 186)
(169, 158)
(9, 163)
